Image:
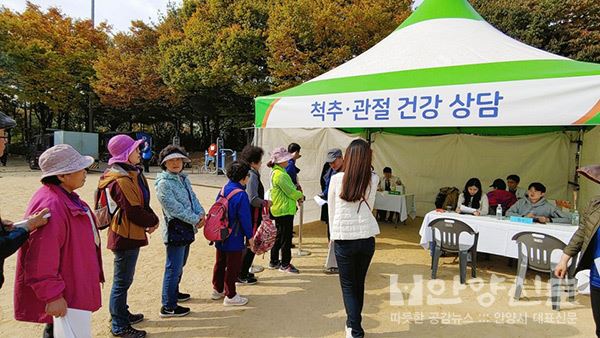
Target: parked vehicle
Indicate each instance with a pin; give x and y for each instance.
(84, 143)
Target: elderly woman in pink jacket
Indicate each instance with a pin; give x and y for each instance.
(59, 268)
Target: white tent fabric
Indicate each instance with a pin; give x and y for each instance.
(444, 66)
(460, 42)
(314, 143)
(426, 163)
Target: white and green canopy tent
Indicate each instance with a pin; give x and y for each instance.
(445, 68)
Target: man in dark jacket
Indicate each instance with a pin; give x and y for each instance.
(12, 235)
(333, 164)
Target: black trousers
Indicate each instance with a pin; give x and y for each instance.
(146, 165)
(246, 263)
(325, 218)
(595, 295)
(283, 242)
(353, 259)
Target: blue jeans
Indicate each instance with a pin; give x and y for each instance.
(353, 259)
(176, 259)
(125, 262)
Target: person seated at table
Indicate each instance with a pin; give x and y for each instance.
(474, 198)
(499, 196)
(537, 207)
(389, 181)
(513, 186)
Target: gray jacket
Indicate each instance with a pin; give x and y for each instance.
(253, 188)
(541, 208)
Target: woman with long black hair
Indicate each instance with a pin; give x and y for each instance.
(353, 228)
(474, 198)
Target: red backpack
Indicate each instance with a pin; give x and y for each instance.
(105, 207)
(216, 228)
(265, 235)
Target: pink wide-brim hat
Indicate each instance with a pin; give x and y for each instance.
(280, 155)
(63, 159)
(120, 147)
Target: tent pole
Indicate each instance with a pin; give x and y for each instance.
(575, 182)
(578, 158)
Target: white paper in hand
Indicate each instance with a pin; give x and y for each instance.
(583, 281)
(321, 202)
(466, 210)
(76, 324)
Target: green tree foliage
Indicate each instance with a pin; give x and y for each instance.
(128, 82)
(569, 28)
(309, 37)
(214, 55)
(46, 64)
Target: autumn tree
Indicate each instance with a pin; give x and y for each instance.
(306, 38)
(569, 28)
(128, 82)
(47, 64)
(216, 58)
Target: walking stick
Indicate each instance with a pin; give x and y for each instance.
(300, 252)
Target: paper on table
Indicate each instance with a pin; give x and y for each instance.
(75, 324)
(465, 209)
(321, 202)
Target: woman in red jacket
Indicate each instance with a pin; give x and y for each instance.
(60, 265)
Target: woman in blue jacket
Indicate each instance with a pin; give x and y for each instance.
(183, 216)
(229, 252)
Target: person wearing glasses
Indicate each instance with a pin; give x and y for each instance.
(59, 268)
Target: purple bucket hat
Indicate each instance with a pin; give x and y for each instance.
(63, 159)
(120, 147)
(280, 154)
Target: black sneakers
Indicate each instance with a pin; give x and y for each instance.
(247, 280)
(179, 311)
(182, 297)
(130, 332)
(135, 318)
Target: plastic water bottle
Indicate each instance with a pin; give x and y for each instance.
(575, 218)
(499, 212)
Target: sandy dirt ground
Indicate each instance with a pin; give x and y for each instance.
(401, 299)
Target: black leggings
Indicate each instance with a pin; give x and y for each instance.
(283, 242)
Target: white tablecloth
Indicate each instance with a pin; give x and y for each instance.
(495, 236)
(402, 204)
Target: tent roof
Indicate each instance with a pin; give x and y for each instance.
(443, 67)
(442, 9)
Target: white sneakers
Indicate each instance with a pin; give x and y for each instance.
(256, 269)
(217, 295)
(237, 300)
(348, 332)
